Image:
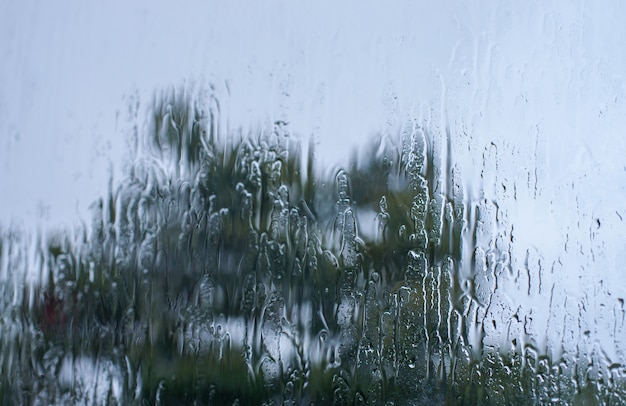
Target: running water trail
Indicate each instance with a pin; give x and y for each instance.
(225, 270)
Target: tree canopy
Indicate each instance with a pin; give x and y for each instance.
(227, 269)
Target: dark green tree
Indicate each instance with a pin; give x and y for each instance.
(225, 269)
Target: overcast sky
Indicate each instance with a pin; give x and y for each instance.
(338, 73)
(537, 89)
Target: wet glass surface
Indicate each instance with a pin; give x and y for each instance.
(311, 230)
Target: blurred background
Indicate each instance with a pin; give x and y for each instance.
(530, 96)
(540, 84)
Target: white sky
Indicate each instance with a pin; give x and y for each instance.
(543, 81)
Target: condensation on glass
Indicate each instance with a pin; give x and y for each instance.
(234, 271)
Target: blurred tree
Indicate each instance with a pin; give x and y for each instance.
(223, 270)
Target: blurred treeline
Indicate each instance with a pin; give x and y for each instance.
(227, 270)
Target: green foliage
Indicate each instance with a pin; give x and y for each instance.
(224, 271)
